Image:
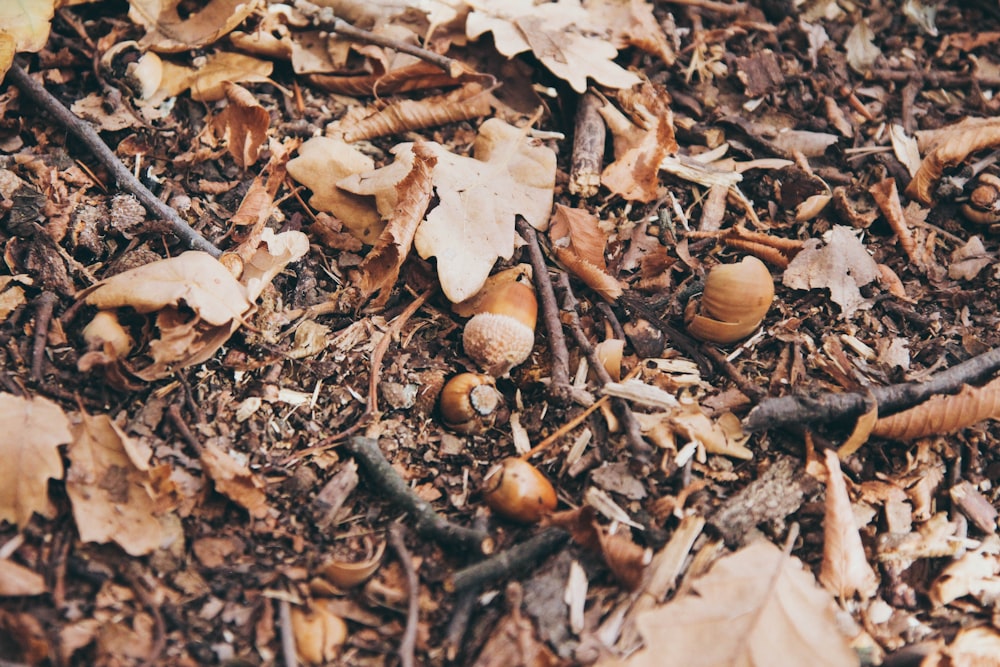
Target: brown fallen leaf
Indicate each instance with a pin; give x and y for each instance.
(34, 430)
(235, 480)
(943, 414)
(950, 148)
(971, 647)
(845, 569)
(749, 603)
(579, 244)
(25, 27)
(319, 633)
(243, 124)
(841, 264)
(167, 32)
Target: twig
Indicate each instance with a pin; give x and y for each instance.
(787, 410)
(560, 389)
(324, 19)
(518, 558)
(392, 487)
(36, 92)
(461, 611)
(641, 450)
(409, 642)
(183, 430)
(287, 633)
(940, 79)
(724, 8)
(750, 390)
(136, 578)
(43, 318)
(588, 147)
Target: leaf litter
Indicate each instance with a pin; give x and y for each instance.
(200, 425)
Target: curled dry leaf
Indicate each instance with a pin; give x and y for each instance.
(943, 414)
(845, 570)
(235, 480)
(887, 197)
(207, 81)
(319, 633)
(34, 429)
(977, 574)
(470, 101)
(380, 267)
(579, 244)
(950, 149)
(348, 574)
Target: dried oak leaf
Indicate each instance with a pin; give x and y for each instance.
(472, 223)
(951, 146)
(842, 265)
(167, 32)
(207, 81)
(749, 603)
(109, 483)
(579, 244)
(845, 570)
(29, 450)
(555, 33)
(243, 123)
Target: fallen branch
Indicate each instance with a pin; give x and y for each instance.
(36, 93)
(390, 485)
(408, 643)
(826, 408)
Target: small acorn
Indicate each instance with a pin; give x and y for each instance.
(734, 303)
(470, 403)
(517, 490)
(502, 332)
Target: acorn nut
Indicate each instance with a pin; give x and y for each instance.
(518, 491)
(734, 303)
(469, 403)
(983, 206)
(502, 333)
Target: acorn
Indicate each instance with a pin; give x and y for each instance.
(470, 403)
(502, 332)
(518, 491)
(734, 303)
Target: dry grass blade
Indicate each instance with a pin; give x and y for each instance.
(943, 414)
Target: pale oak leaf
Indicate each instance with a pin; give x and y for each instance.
(34, 429)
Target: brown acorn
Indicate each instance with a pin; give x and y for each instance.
(983, 206)
(517, 490)
(734, 303)
(502, 332)
(470, 403)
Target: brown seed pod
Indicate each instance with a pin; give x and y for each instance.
(470, 402)
(501, 334)
(983, 207)
(734, 303)
(517, 490)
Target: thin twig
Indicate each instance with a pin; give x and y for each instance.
(788, 410)
(560, 389)
(324, 19)
(461, 611)
(136, 577)
(518, 558)
(408, 643)
(641, 450)
(288, 652)
(391, 486)
(43, 318)
(36, 93)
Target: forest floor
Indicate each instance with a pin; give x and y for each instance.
(261, 472)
